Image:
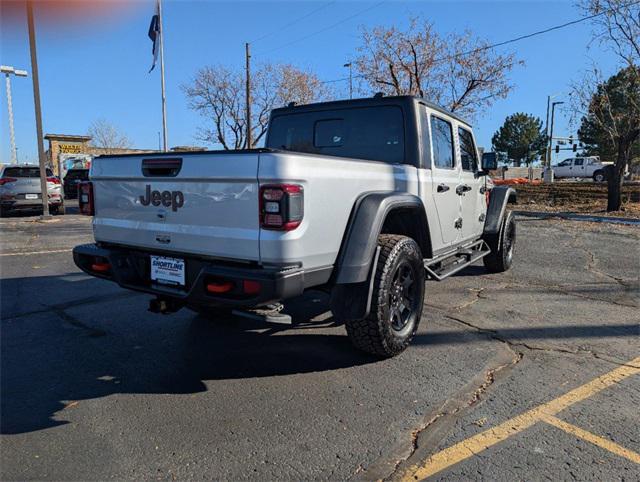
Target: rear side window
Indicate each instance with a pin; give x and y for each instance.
(370, 133)
(578, 162)
(468, 153)
(24, 172)
(442, 134)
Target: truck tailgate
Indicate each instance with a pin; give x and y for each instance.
(207, 203)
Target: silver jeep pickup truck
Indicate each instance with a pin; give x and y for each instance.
(366, 198)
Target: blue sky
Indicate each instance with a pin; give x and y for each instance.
(100, 69)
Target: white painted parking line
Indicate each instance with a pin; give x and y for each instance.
(27, 253)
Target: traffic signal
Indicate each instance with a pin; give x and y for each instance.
(575, 147)
(557, 149)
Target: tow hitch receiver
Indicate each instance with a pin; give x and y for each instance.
(164, 305)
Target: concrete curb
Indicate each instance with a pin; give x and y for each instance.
(580, 217)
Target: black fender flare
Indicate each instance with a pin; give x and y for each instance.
(356, 262)
(500, 197)
(361, 237)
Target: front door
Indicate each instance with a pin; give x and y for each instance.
(445, 179)
(470, 189)
(564, 169)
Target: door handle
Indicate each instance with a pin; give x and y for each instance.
(462, 188)
(442, 188)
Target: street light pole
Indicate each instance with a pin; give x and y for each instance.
(553, 112)
(7, 70)
(350, 65)
(36, 102)
(547, 157)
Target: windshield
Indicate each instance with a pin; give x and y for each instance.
(371, 133)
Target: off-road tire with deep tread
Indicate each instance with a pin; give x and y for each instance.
(375, 333)
(501, 257)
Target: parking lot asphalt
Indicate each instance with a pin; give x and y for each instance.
(530, 374)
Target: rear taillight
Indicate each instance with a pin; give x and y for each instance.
(53, 180)
(281, 206)
(5, 180)
(85, 198)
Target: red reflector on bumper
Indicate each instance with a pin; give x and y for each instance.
(251, 287)
(101, 267)
(220, 287)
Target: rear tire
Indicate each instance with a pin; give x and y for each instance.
(396, 305)
(502, 246)
(599, 176)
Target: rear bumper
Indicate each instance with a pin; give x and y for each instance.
(25, 204)
(131, 269)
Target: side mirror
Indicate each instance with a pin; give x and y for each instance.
(489, 161)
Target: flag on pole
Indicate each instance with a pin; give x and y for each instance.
(154, 35)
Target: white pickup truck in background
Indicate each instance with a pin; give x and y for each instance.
(582, 167)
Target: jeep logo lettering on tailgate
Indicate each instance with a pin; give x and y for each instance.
(175, 199)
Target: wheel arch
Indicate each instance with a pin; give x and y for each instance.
(500, 197)
(376, 213)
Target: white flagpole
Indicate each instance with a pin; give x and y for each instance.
(164, 97)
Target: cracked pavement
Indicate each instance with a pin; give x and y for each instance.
(95, 387)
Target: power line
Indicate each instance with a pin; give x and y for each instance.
(360, 12)
(506, 42)
(533, 34)
(293, 22)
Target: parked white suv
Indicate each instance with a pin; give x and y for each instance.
(581, 167)
(365, 198)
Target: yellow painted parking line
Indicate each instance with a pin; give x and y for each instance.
(482, 441)
(594, 439)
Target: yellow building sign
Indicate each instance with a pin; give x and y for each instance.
(70, 148)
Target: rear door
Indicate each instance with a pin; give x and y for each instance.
(205, 203)
(445, 178)
(579, 167)
(470, 188)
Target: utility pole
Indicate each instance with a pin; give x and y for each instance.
(350, 65)
(8, 71)
(164, 96)
(248, 93)
(36, 102)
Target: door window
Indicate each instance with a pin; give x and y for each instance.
(565, 163)
(442, 143)
(578, 162)
(468, 152)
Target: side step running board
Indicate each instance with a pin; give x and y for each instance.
(460, 259)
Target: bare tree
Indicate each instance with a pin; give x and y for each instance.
(617, 24)
(107, 137)
(458, 71)
(610, 119)
(610, 109)
(217, 94)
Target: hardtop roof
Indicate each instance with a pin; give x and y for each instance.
(367, 102)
